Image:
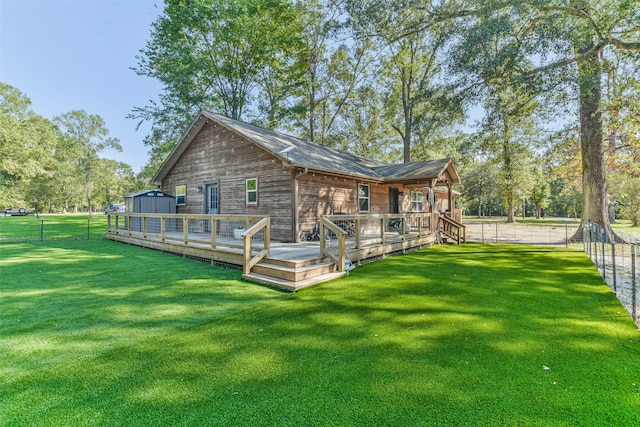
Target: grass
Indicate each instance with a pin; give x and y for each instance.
(31, 228)
(99, 333)
(625, 226)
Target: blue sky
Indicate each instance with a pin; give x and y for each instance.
(77, 55)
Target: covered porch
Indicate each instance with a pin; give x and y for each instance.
(244, 242)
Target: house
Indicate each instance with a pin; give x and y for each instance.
(224, 166)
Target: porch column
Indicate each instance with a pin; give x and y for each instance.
(450, 199)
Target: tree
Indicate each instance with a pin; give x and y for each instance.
(336, 65)
(85, 136)
(480, 192)
(410, 40)
(627, 192)
(218, 55)
(540, 190)
(363, 126)
(26, 147)
(574, 36)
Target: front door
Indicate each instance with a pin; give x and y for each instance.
(393, 200)
(212, 198)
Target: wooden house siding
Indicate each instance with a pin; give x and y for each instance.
(324, 194)
(298, 181)
(218, 155)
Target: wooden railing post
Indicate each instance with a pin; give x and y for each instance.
(357, 221)
(267, 236)
(163, 227)
(213, 224)
(382, 223)
(144, 226)
(246, 265)
(185, 230)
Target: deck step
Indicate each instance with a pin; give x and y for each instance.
(293, 274)
(293, 286)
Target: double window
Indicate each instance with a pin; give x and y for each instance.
(417, 201)
(363, 198)
(251, 188)
(181, 195)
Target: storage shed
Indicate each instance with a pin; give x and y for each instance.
(149, 201)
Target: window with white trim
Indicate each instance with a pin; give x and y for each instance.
(252, 191)
(363, 198)
(417, 201)
(181, 195)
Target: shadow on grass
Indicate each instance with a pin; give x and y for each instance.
(473, 335)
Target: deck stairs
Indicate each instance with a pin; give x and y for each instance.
(293, 275)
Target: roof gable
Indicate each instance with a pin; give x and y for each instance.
(301, 153)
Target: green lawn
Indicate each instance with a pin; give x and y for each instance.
(100, 333)
(31, 228)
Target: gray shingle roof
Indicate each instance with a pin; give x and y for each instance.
(302, 153)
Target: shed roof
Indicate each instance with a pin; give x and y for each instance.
(306, 154)
(148, 193)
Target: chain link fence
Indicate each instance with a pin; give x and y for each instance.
(31, 228)
(617, 262)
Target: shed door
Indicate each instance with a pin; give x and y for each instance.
(212, 195)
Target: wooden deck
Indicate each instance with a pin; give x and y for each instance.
(289, 266)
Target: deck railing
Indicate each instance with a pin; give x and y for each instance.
(255, 240)
(449, 227)
(330, 231)
(364, 229)
(249, 233)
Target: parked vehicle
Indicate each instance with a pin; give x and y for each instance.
(16, 212)
(114, 208)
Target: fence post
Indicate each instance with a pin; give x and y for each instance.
(613, 265)
(604, 265)
(633, 282)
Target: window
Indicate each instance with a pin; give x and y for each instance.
(252, 191)
(363, 197)
(417, 201)
(181, 194)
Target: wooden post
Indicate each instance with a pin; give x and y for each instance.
(163, 227)
(342, 252)
(246, 267)
(267, 236)
(129, 224)
(419, 225)
(322, 236)
(213, 225)
(357, 233)
(185, 230)
(144, 226)
(382, 230)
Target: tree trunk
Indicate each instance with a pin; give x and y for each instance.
(594, 192)
(510, 210)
